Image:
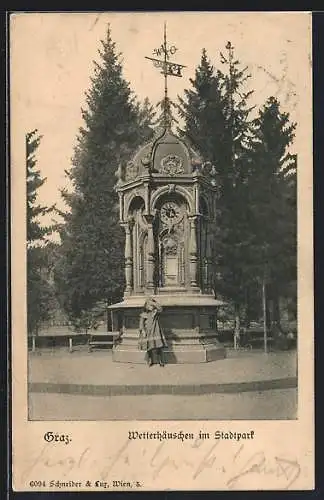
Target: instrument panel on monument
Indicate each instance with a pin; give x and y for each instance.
(170, 212)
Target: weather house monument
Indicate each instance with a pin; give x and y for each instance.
(167, 202)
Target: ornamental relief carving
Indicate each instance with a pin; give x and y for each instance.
(172, 165)
(170, 245)
(131, 171)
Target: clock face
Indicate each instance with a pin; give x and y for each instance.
(170, 213)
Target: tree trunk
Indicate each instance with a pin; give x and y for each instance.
(236, 324)
(264, 308)
(267, 308)
(237, 317)
(276, 308)
(248, 313)
(108, 315)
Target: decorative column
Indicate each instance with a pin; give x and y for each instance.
(147, 197)
(193, 252)
(121, 205)
(196, 193)
(150, 258)
(128, 257)
(206, 274)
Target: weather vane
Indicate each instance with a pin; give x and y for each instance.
(167, 67)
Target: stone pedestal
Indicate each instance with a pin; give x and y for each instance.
(188, 322)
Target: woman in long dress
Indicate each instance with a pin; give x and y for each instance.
(152, 338)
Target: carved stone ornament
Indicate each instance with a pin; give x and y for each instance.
(172, 165)
(120, 173)
(170, 246)
(196, 165)
(131, 171)
(146, 161)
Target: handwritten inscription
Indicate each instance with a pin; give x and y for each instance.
(279, 467)
(196, 460)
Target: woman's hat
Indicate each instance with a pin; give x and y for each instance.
(150, 300)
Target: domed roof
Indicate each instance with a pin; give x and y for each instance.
(166, 154)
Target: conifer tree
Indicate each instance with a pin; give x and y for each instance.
(256, 225)
(36, 232)
(272, 198)
(39, 292)
(202, 110)
(115, 124)
(146, 116)
(216, 115)
(235, 242)
(237, 133)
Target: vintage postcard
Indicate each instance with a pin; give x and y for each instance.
(162, 251)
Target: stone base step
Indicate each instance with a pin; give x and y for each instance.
(173, 343)
(172, 347)
(183, 355)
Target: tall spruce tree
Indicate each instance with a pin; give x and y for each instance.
(36, 232)
(235, 240)
(115, 124)
(273, 202)
(202, 110)
(146, 116)
(216, 115)
(39, 292)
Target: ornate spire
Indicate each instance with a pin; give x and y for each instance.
(168, 68)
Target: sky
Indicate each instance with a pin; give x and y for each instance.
(51, 62)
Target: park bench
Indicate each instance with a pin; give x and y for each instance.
(92, 339)
(102, 339)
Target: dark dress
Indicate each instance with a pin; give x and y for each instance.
(151, 334)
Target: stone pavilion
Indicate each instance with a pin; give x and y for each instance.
(167, 206)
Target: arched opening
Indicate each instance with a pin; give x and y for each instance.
(139, 242)
(172, 236)
(137, 203)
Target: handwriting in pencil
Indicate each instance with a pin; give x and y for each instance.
(214, 457)
(287, 469)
